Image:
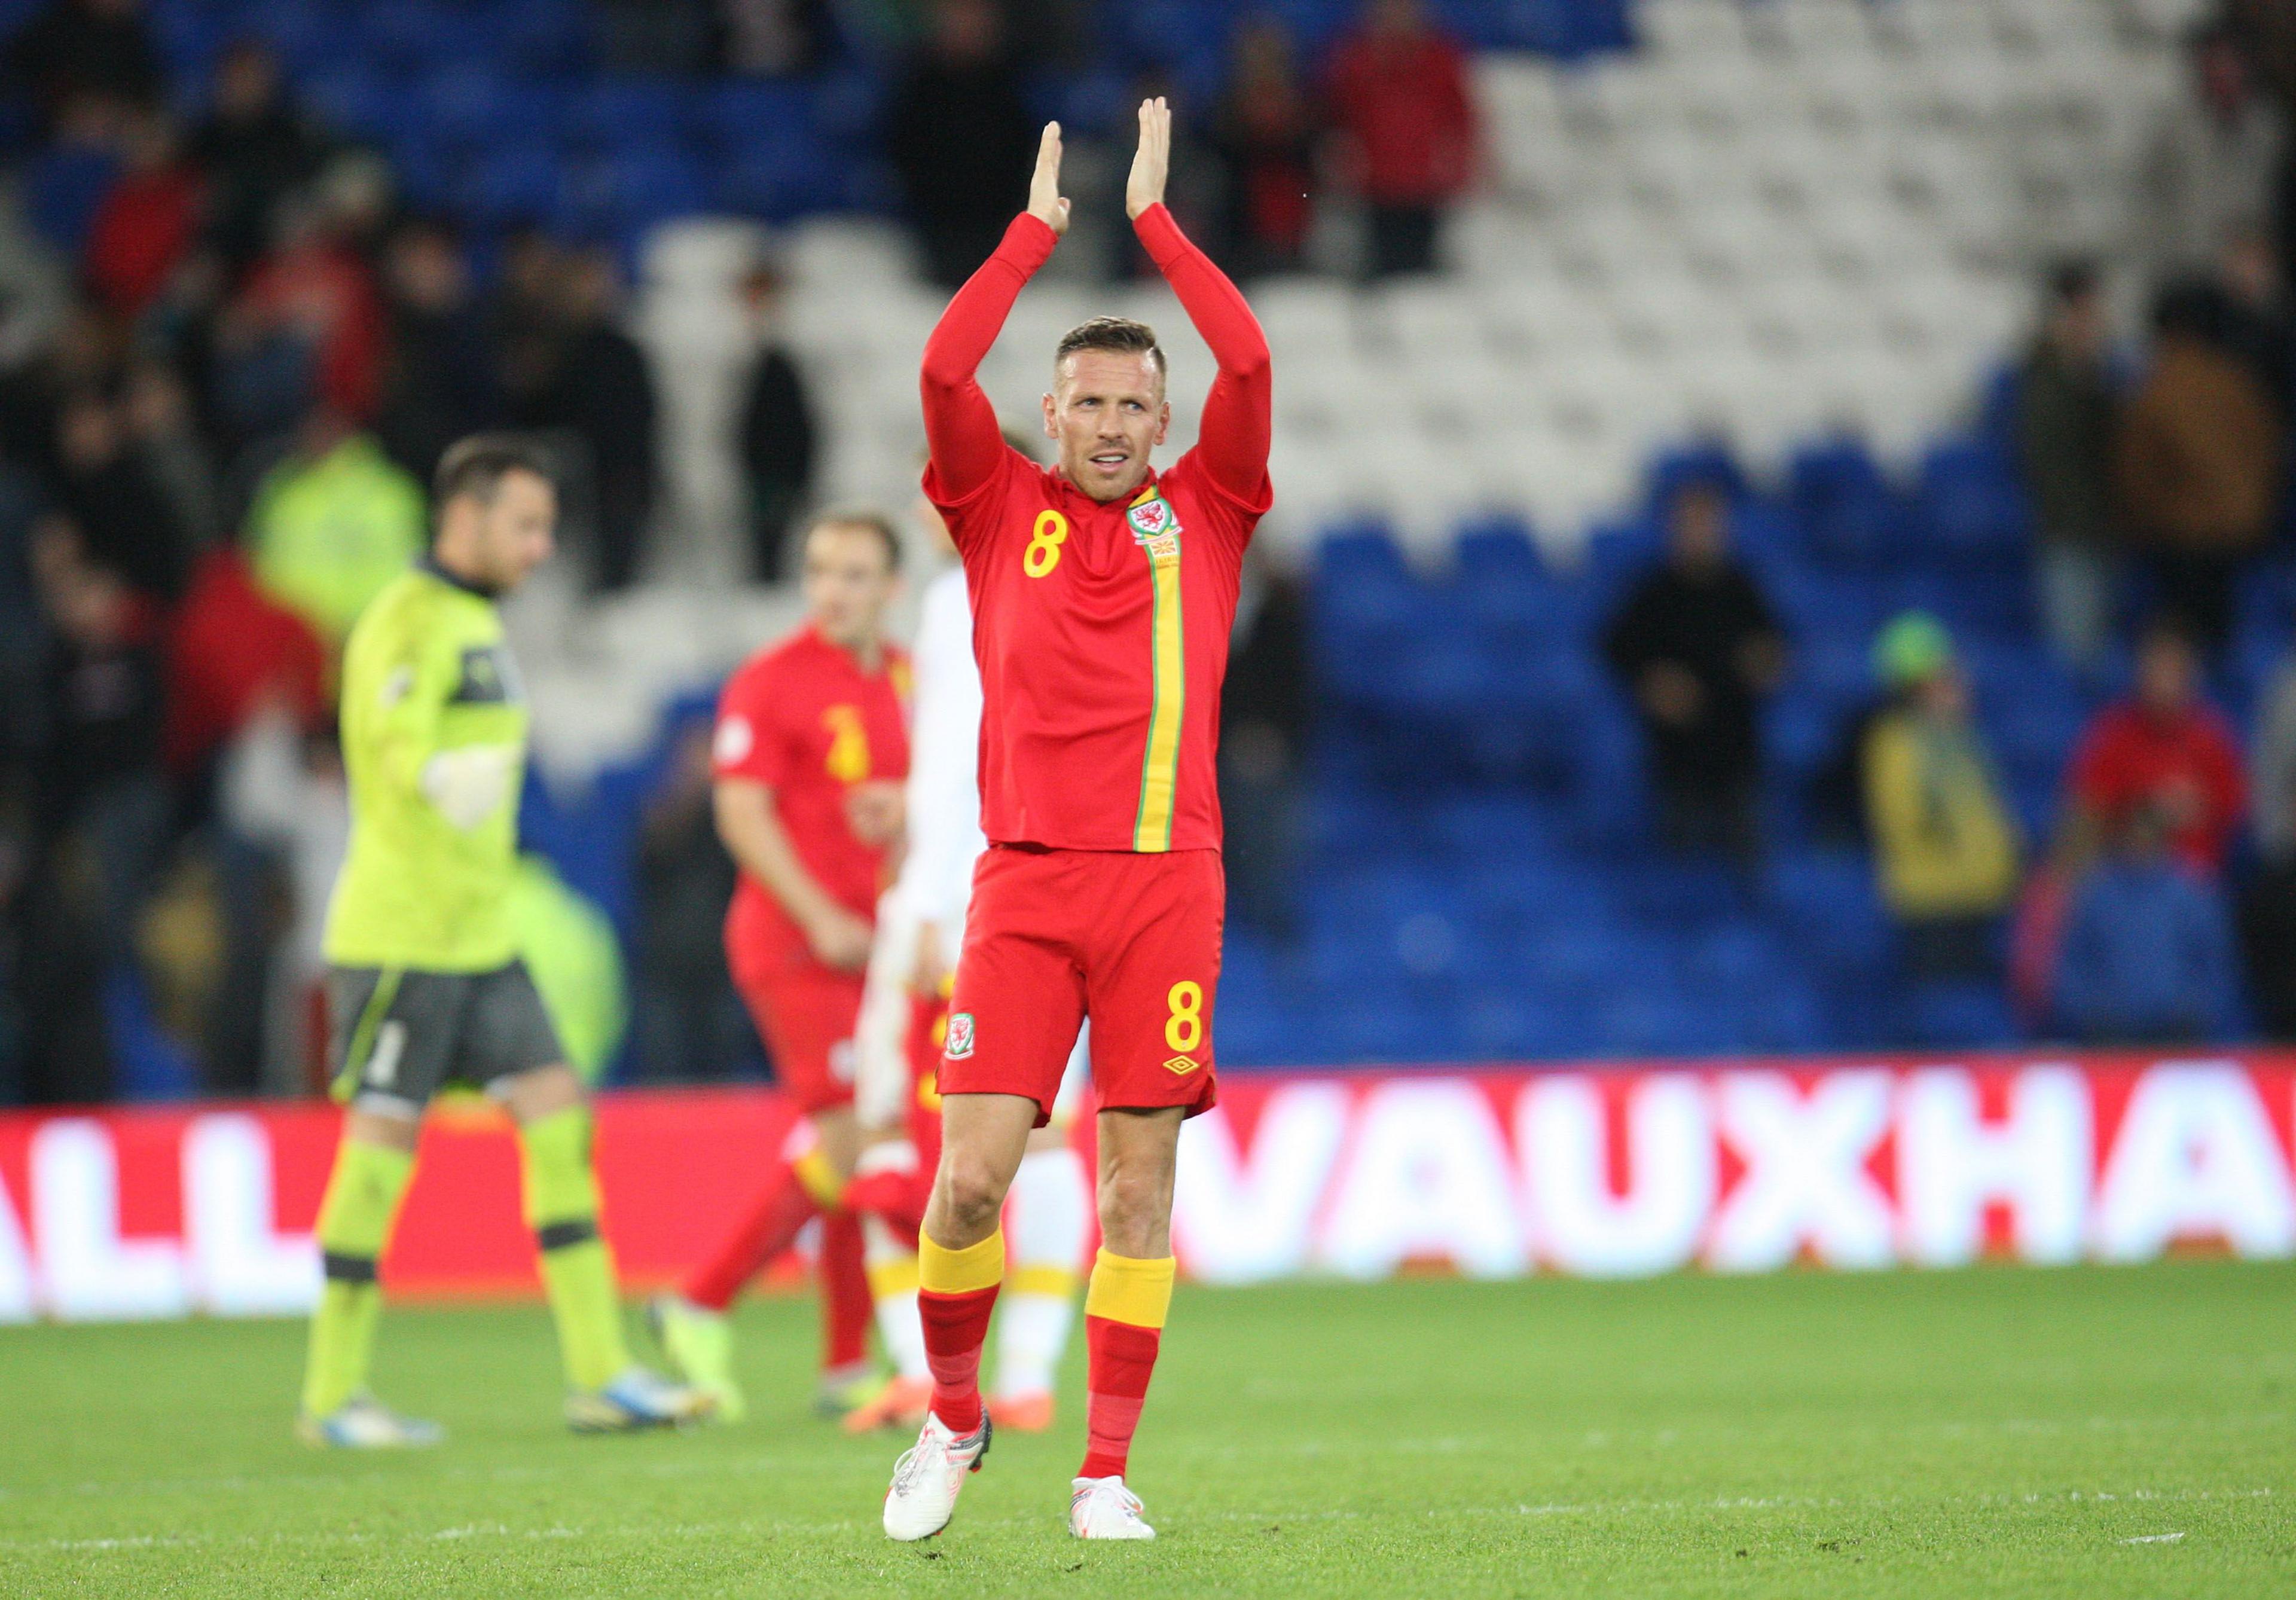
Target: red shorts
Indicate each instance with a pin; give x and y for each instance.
(1054, 937)
(806, 1012)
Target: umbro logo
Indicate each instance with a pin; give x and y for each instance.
(1181, 1065)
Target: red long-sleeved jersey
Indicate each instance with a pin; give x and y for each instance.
(1101, 630)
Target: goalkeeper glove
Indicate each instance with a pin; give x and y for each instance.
(468, 786)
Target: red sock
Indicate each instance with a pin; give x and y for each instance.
(769, 1229)
(846, 1305)
(956, 1326)
(1119, 1360)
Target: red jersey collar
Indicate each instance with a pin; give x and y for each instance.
(817, 640)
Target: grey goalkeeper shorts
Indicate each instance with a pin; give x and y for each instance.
(397, 1036)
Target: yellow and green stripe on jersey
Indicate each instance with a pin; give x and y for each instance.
(1158, 531)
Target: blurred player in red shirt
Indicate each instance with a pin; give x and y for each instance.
(1103, 594)
(811, 751)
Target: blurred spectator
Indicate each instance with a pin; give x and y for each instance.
(2065, 425)
(687, 1021)
(1943, 844)
(2165, 752)
(66, 178)
(164, 439)
(777, 442)
(2274, 757)
(1265, 133)
(2267, 901)
(147, 222)
(233, 652)
(961, 139)
(255, 148)
(279, 828)
(100, 815)
(2251, 313)
(677, 37)
(1399, 99)
(774, 38)
(34, 288)
(437, 382)
(602, 392)
(2148, 947)
(81, 357)
(1263, 717)
(332, 523)
(2212, 163)
(1698, 648)
(125, 521)
(247, 698)
(2198, 465)
(87, 48)
(314, 288)
(524, 325)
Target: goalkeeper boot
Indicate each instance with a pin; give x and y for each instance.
(929, 1476)
(1103, 1508)
(363, 1422)
(698, 1343)
(636, 1400)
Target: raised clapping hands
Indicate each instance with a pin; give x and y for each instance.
(1145, 187)
(1152, 161)
(1046, 204)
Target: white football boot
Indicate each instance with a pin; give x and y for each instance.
(929, 1476)
(1103, 1508)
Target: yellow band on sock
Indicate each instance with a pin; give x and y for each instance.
(941, 1270)
(895, 1277)
(820, 1179)
(1130, 1290)
(1058, 1281)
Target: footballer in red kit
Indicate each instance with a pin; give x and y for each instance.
(1103, 592)
(810, 753)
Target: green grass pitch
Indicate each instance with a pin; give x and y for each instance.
(2087, 1433)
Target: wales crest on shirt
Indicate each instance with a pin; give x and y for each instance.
(1154, 526)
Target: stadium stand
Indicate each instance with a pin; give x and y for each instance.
(1780, 245)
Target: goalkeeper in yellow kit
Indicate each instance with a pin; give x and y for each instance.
(425, 989)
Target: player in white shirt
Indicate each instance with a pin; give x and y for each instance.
(920, 928)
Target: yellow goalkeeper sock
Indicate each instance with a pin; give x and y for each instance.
(355, 1219)
(577, 1270)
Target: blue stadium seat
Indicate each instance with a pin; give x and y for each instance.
(467, 103)
(1825, 906)
(1705, 462)
(355, 99)
(1971, 506)
(1848, 513)
(635, 188)
(513, 185)
(1958, 1016)
(1498, 548)
(537, 38)
(306, 36)
(630, 113)
(63, 185)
